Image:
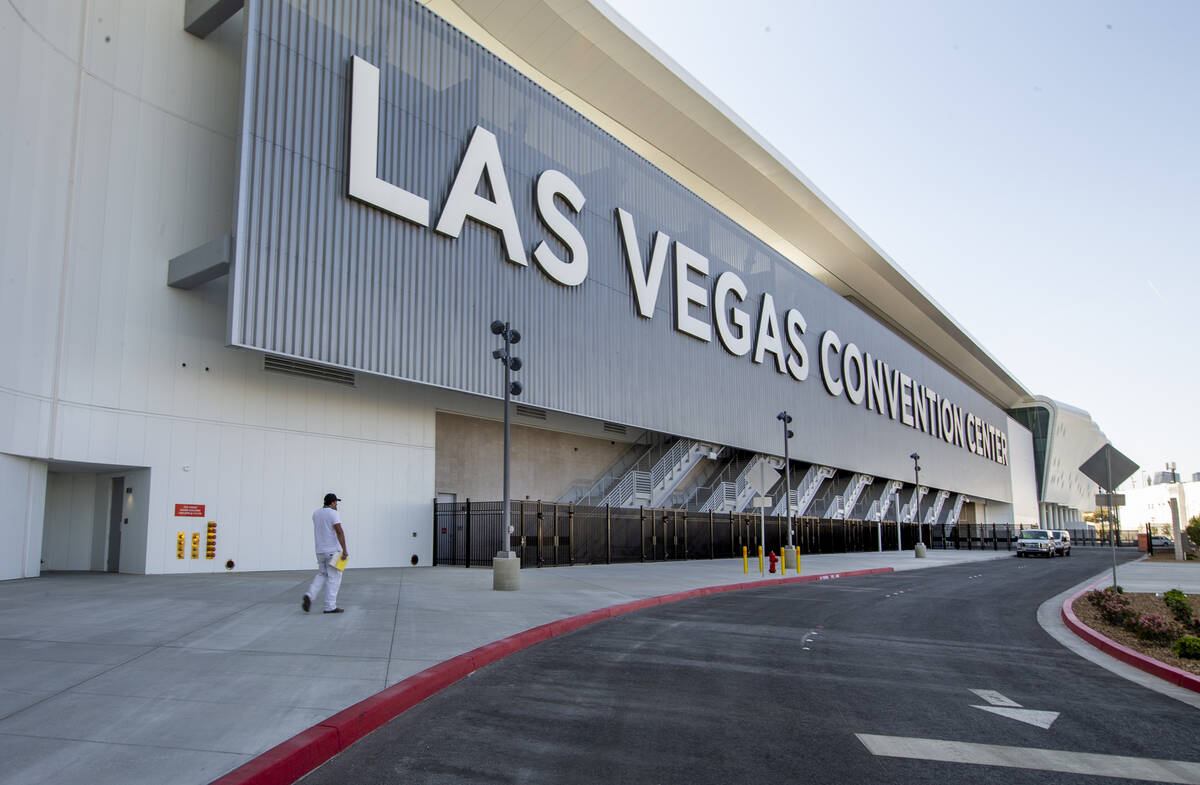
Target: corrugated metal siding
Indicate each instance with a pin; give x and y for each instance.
(322, 277)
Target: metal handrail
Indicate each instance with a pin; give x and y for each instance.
(725, 492)
(669, 461)
(615, 474)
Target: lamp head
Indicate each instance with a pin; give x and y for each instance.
(497, 327)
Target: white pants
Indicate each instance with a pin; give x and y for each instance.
(328, 578)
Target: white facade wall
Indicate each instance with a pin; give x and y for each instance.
(23, 488)
(1022, 473)
(118, 154)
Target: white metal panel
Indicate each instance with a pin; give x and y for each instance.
(70, 509)
(1023, 470)
(23, 485)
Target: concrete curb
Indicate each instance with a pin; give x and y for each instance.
(1169, 673)
(291, 760)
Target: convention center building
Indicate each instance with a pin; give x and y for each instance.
(253, 250)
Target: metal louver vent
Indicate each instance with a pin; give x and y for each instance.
(322, 373)
(531, 411)
(612, 427)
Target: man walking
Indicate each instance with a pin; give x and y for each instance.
(327, 532)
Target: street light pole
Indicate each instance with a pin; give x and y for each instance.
(506, 566)
(917, 471)
(789, 553)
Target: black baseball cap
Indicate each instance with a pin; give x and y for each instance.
(330, 498)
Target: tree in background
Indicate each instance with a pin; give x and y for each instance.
(1193, 530)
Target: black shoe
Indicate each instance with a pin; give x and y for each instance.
(306, 603)
(336, 610)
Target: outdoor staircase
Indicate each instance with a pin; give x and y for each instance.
(909, 511)
(652, 484)
(935, 509)
(805, 492)
(843, 503)
(880, 507)
(735, 493)
(955, 510)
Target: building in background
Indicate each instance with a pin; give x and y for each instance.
(1159, 499)
(255, 260)
(1064, 437)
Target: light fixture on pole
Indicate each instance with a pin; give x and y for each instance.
(917, 471)
(506, 566)
(789, 553)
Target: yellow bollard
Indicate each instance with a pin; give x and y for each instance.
(782, 562)
(745, 562)
(760, 569)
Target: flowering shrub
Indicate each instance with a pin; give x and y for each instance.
(1114, 608)
(1154, 627)
(1187, 646)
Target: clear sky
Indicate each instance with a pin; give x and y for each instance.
(1034, 166)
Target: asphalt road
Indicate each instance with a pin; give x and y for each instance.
(773, 685)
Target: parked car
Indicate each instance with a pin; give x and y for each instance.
(1035, 542)
(1062, 542)
(1159, 541)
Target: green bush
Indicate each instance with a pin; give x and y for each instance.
(1177, 603)
(1188, 646)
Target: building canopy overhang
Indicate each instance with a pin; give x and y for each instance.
(595, 61)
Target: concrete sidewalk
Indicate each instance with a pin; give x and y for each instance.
(179, 679)
(1144, 576)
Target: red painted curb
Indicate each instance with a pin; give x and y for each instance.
(1170, 673)
(291, 760)
(287, 762)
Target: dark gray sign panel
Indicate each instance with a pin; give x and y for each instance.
(1108, 468)
(401, 187)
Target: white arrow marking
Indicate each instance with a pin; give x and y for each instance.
(1151, 769)
(996, 699)
(1042, 719)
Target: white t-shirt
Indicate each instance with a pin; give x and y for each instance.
(323, 533)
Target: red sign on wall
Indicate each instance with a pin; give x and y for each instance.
(189, 510)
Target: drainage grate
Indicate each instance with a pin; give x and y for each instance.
(531, 411)
(322, 373)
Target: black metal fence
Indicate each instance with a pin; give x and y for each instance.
(548, 534)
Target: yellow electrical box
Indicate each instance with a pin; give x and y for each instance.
(210, 548)
(195, 545)
(180, 545)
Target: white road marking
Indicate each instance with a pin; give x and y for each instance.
(996, 699)
(1124, 767)
(1042, 719)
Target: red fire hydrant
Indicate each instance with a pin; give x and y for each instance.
(773, 560)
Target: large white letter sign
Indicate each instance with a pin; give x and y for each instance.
(552, 183)
(830, 342)
(364, 150)
(769, 339)
(797, 363)
(737, 343)
(687, 293)
(645, 282)
(482, 158)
